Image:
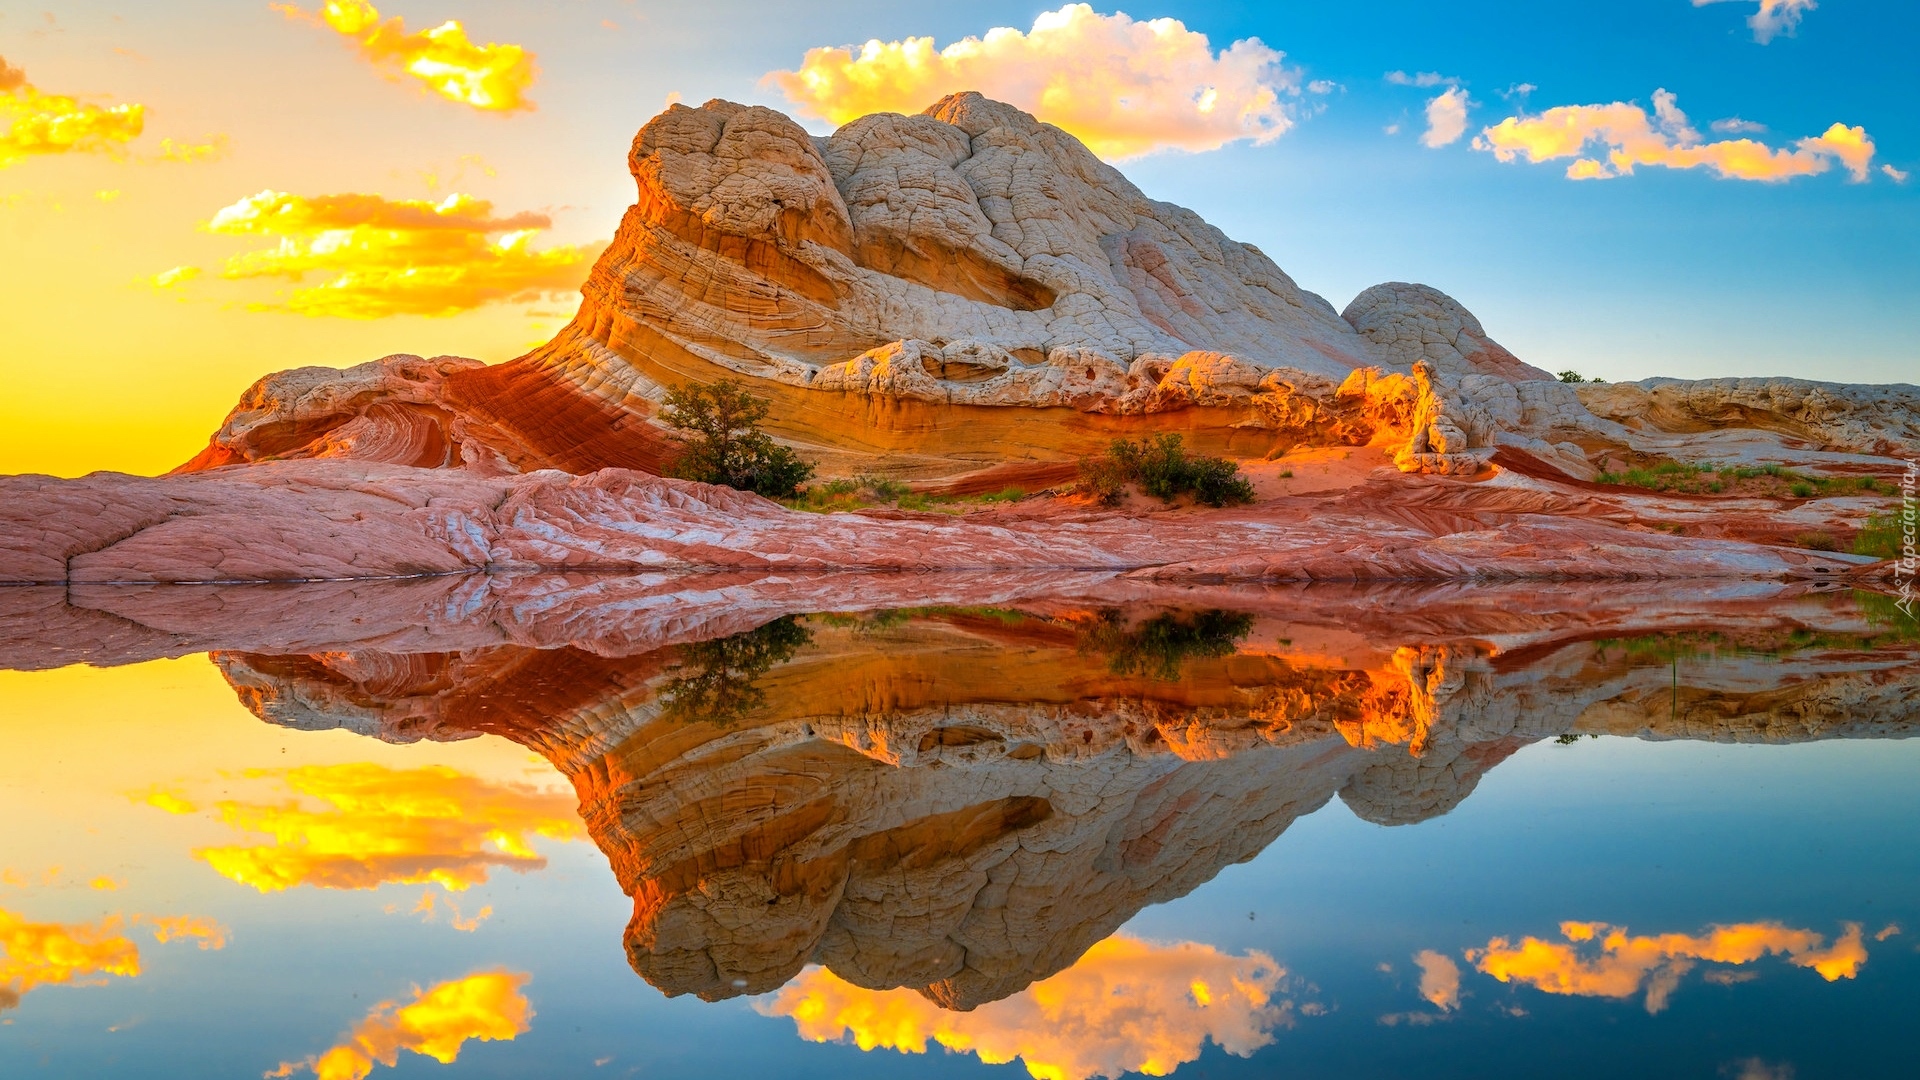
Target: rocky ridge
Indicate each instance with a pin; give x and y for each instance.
(922, 296)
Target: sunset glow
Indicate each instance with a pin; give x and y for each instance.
(1123, 87)
(437, 1023)
(1598, 960)
(490, 77)
(1126, 1006)
(365, 825)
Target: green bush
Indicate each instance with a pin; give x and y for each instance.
(1880, 537)
(724, 443)
(1163, 468)
(1572, 376)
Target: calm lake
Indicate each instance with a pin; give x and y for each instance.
(1072, 828)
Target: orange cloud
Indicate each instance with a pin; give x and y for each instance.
(365, 825)
(1126, 1006)
(1626, 136)
(39, 123)
(1123, 87)
(490, 77)
(206, 932)
(61, 954)
(487, 1006)
(213, 149)
(398, 257)
(1774, 17)
(1439, 978)
(1626, 963)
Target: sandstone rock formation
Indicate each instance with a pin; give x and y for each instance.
(963, 802)
(337, 520)
(927, 295)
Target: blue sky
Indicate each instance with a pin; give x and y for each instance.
(1672, 272)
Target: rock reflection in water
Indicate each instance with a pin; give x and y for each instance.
(963, 800)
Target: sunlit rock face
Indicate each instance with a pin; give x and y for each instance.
(963, 800)
(969, 288)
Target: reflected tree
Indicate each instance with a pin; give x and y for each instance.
(718, 684)
(1159, 647)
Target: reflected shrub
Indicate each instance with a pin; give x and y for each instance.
(1159, 647)
(719, 684)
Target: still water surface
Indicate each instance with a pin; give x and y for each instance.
(1063, 839)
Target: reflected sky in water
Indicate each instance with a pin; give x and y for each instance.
(1258, 876)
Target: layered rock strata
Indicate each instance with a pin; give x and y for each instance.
(338, 520)
(929, 295)
(963, 802)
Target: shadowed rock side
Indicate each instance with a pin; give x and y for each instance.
(928, 295)
(964, 800)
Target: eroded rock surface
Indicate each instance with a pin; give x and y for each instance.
(929, 295)
(963, 802)
(331, 519)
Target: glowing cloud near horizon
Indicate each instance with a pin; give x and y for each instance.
(61, 954)
(375, 826)
(1625, 963)
(1126, 1006)
(396, 257)
(1123, 87)
(437, 1023)
(1626, 136)
(40, 123)
(34, 954)
(490, 77)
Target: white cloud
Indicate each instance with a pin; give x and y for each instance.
(1422, 79)
(1446, 118)
(1439, 978)
(1123, 87)
(1898, 176)
(1733, 125)
(1773, 17)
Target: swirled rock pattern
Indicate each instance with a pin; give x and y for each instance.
(340, 520)
(962, 801)
(926, 296)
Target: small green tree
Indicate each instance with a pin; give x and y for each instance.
(724, 443)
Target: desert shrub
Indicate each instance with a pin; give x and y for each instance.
(724, 444)
(1572, 376)
(1163, 468)
(1817, 541)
